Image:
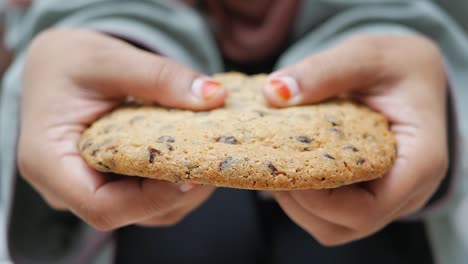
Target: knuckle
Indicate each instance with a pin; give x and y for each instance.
(368, 48)
(332, 235)
(23, 164)
(160, 72)
(415, 207)
(438, 165)
(95, 216)
(55, 203)
(172, 219)
(368, 43)
(443, 164)
(46, 42)
(100, 222)
(46, 45)
(429, 53)
(162, 221)
(161, 202)
(166, 220)
(331, 240)
(45, 37)
(426, 44)
(365, 224)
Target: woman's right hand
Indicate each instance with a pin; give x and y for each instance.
(71, 78)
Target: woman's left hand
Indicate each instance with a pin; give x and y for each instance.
(402, 77)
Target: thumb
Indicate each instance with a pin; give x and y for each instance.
(124, 70)
(354, 64)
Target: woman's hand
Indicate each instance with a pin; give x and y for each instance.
(71, 78)
(402, 77)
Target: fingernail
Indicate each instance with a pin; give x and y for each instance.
(206, 88)
(185, 187)
(285, 89)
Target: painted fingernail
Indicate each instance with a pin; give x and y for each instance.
(185, 187)
(206, 88)
(285, 89)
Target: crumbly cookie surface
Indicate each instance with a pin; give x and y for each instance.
(246, 144)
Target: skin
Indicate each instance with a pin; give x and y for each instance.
(61, 97)
(400, 76)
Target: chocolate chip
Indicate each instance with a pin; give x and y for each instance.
(360, 161)
(152, 152)
(328, 156)
(333, 121)
(109, 128)
(113, 149)
(274, 171)
(86, 145)
(223, 165)
(201, 113)
(260, 113)
(100, 145)
(135, 119)
(350, 147)
(103, 166)
(169, 147)
(95, 151)
(306, 149)
(166, 139)
(336, 131)
(303, 139)
(227, 140)
(272, 168)
(192, 166)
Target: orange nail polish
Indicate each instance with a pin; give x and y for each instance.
(209, 89)
(281, 89)
(205, 88)
(285, 89)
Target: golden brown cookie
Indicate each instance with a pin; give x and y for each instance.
(246, 144)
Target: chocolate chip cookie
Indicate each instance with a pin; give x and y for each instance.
(246, 144)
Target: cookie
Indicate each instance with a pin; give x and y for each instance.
(246, 144)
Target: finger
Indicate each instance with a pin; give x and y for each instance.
(356, 63)
(416, 203)
(325, 232)
(168, 219)
(418, 168)
(413, 205)
(187, 204)
(348, 206)
(110, 204)
(54, 201)
(114, 69)
(368, 206)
